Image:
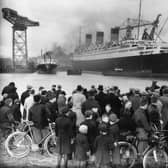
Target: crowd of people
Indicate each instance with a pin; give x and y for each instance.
(89, 121)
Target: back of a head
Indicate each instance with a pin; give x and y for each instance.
(12, 84)
(59, 87)
(88, 113)
(37, 98)
(102, 128)
(79, 88)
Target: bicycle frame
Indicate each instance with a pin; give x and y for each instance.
(29, 131)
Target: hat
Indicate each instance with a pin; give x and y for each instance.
(54, 86)
(41, 88)
(83, 129)
(29, 87)
(113, 118)
(100, 87)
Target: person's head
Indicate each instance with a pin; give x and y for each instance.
(108, 108)
(144, 102)
(12, 84)
(148, 90)
(5, 96)
(41, 88)
(113, 119)
(88, 114)
(32, 92)
(79, 88)
(100, 88)
(64, 110)
(103, 128)
(8, 102)
(162, 89)
(105, 119)
(29, 87)
(128, 105)
(165, 91)
(53, 87)
(83, 129)
(91, 94)
(59, 87)
(16, 101)
(43, 93)
(37, 98)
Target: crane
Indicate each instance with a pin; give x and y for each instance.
(134, 23)
(19, 41)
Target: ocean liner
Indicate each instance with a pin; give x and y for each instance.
(146, 54)
(46, 64)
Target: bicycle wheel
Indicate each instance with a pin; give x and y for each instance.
(155, 158)
(50, 145)
(18, 144)
(127, 154)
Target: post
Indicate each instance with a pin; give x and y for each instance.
(26, 50)
(139, 19)
(13, 47)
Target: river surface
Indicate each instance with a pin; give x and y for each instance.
(69, 83)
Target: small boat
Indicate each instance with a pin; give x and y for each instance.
(47, 65)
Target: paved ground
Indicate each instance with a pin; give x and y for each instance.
(33, 160)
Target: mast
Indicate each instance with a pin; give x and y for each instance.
(139, 18)
(80, 31)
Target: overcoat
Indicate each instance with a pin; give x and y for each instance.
(64, 133)
(81, 147)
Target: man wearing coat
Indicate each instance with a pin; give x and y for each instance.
(39, 115)
(164, 111)
(143, 126)
(64, 132)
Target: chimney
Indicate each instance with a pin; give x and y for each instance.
(115, 34)
(88, 39)
(99, 37)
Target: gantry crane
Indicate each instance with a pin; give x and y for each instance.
(19, 42)
(134, 23)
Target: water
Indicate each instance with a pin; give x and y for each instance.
(69, 83)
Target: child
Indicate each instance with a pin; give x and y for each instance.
(103, 145)
(82, 147)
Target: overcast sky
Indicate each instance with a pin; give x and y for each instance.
(60, 20)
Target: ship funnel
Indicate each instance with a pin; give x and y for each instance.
(88, 40)
(115, 34)
(99, 37)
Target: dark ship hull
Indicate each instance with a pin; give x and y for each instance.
(47, 68)
(141, 64)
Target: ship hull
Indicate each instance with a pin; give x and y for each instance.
(47, 68)
(154, 63)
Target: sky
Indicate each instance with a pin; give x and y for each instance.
(60, 20)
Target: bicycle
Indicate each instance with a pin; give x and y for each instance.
(19, 143)
(155, 151)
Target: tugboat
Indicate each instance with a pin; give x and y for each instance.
(47, 65)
